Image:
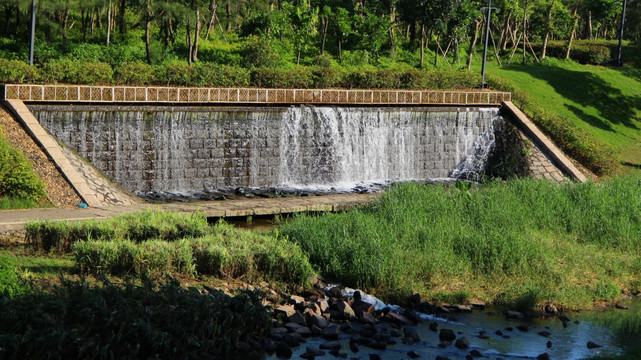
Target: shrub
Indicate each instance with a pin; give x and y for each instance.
(16, 71)
(129, 322)
(10, 284)
(259, 52)
(296, 77)
(327, 77)
(134, 73)
(17, 178)
(213, 75)
(371, 79)
(177, 73)
(75, 72)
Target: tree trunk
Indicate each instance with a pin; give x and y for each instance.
(64, 25)
(196, 36)
(340, 48)
(121, 19)
(324, 25)
(189, 46)
(475, 37)
(573, 33)
(422, 45)
(228, 8)
(147, 31)
(438, 46)
(212, 7)
(547, 31)
(590, 25)
(505, 31)
(109, 24)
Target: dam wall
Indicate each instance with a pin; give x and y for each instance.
(194, 148)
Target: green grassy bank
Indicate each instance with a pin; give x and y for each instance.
(593, 112)
(522, 242)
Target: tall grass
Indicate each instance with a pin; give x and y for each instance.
(522, 241)
(224, 251)
(137, 227)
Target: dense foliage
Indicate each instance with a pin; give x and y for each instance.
(276, 34)
(17, 178)
(493, 241)
(79, 321)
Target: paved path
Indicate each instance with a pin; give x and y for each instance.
(16, 219)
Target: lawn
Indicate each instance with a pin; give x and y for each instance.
(603, 101)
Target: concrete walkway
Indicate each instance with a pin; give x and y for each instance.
(16, 219)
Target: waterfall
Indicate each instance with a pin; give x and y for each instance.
(197, 148)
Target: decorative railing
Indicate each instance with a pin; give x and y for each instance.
(131, 94)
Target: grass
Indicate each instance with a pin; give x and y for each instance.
(15, 202)
(155, 243)
(522, 242)
(605, 102)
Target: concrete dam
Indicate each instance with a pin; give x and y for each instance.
(183, 149)
(182, 141)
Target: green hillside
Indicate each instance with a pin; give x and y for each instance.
(603, 101)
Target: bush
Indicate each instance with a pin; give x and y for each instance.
(135, 73)
(17, 178)
(16, 71)
(327, 77)
(213, 75)
(137, 227)
(297, 77)
(73, 72)
(259, 52)
(10, 284)
(176, 73)
(129, 322)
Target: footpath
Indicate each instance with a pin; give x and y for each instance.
(11, 220)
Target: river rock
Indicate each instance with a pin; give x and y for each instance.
(462, 308)
(334, 292)
(342, 310)
(279, 332)
(316, 330)
(514, 314)
(483, 335)
(415, 299)
(621, 307)
(544, 356)
(323, 305)
(292, 339)
(545, 334)
(397, 319)
(548, 344)
(346, 327)
(593, 345)
(475, 353)
(374, 357)
(353, 346)
(433, 326)
(412, 316)
(295, 299)
(413, 354)
(441, 357)
(331, 332)
(305, 332)
(446, 335)
(297, 318)
(477, 305)
(292, 327)
(366, 318)
(551, 309)
(314, 309)
(269, 346)
(318, 321)
(359, 305)
(331, 345)
(411, 335)
(286, 310)
(283, 351)
(462, 343)
(522, 327)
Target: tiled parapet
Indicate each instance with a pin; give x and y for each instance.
(129, 94)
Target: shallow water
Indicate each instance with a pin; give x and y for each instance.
(567, 343)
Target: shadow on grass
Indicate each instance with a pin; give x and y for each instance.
(587, 89)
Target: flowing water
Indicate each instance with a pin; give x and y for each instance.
(617, 331)
(190, 150)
